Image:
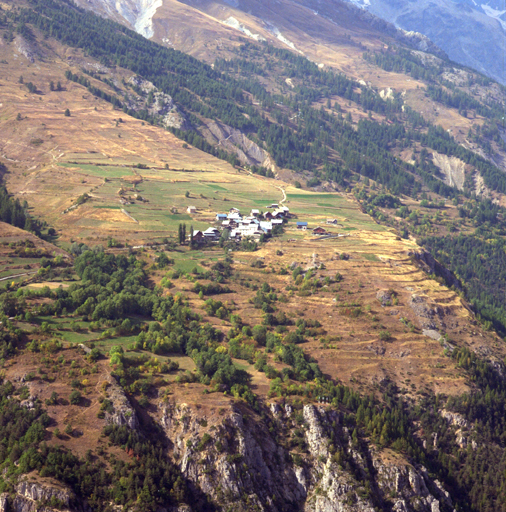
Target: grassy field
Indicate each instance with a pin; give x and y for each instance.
(159, 199)
(92, 152)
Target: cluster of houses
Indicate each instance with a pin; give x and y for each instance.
(253, 225)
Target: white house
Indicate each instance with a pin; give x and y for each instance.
(191, 209)
(234, 216)
(266, 226)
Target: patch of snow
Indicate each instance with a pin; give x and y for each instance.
(275, 30)
(144, 23)
(494, 13)
(232, 22)
(362, 4)
(387, 93)
(139, 13)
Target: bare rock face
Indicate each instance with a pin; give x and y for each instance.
(233, 140)
(431, 266)
(124, 413)
(385, 297)
(238, 462)
(27, 49)
(232, 460)
(158, 104)
(4, 502)
(37, 497)
(454, 418)
(452, 168)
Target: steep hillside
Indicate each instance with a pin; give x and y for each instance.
(335, 35)
(294, 383)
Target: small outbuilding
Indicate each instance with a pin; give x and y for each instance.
(302, 225)
(191, 209)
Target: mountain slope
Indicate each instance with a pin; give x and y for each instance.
(299, 371)
(470, 33)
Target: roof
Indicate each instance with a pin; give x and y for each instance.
(211, 231)
(255, 210)
(301, 223)
(221, 215)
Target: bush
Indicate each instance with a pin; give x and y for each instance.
(384, 335)
(75, 397)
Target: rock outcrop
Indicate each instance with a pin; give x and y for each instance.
(292, 459)
(232, 140)
(430, 265)
(38, 497)
(157, 103)
(123, 413)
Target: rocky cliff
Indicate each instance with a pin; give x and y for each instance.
(31, 496)
(293, 459)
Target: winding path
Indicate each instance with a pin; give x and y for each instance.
(17, 275)
(284, 194)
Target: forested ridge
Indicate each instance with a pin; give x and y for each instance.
(480, 264)
(298, 136)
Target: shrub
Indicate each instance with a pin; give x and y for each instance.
(384, 335)
(75, 397)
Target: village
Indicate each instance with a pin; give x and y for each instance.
(254, 226)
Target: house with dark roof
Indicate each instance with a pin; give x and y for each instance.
(198, 236)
